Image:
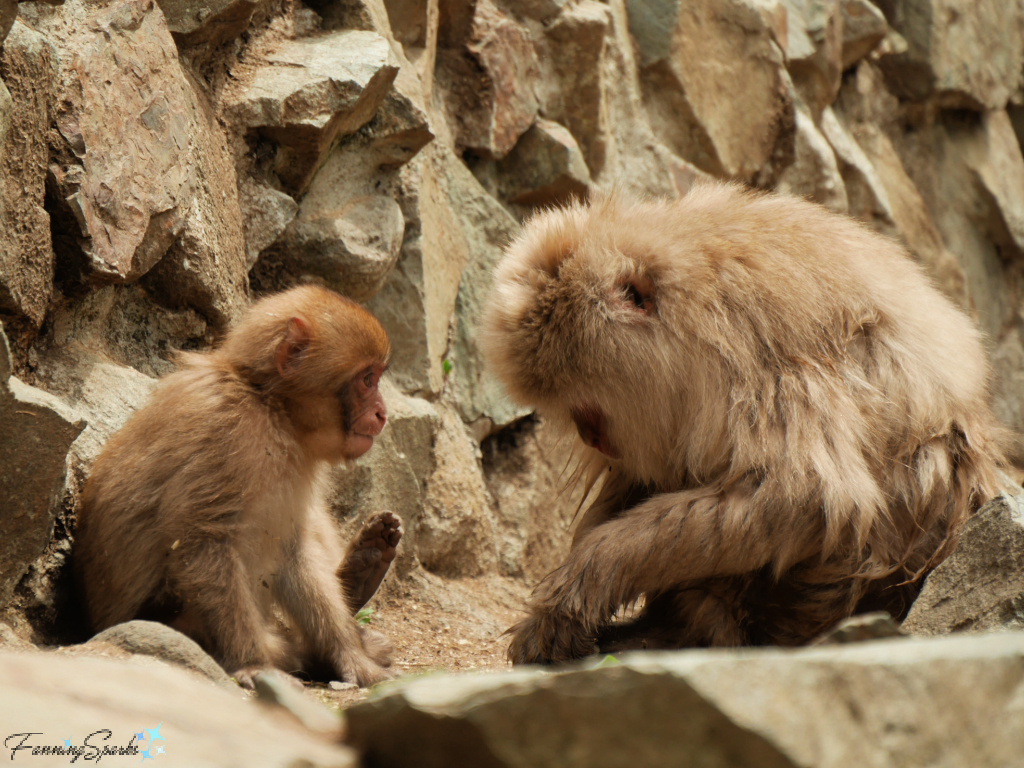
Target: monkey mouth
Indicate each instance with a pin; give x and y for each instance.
(593, 429)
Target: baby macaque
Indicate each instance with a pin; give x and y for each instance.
(790, 421)
(207, 509)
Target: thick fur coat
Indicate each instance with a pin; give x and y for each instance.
(790, 421)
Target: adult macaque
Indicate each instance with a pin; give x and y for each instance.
(791, 422)
(206, 510)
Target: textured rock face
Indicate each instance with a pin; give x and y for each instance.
(311, 91)
(945, 702)
(687, 56)
(981, 585)
(36, 430)
(27, 67)
(960, 53)
(129, 178)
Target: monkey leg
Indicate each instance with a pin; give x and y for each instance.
(369, 557)
(669, 540)
(309, 591)
(220, 610)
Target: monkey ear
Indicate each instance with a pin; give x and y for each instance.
(291, 349)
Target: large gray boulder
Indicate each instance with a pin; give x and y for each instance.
(940, 703)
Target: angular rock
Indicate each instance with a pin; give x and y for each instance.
(393, 476)
(857, 629)
(814, 173)
(814, 49)
(684, 64)
(864, 27)
(206, 267)
(538, 10)
(207, 22)
(151, 638)
(266, 213)
(487, 228)
(963, 54)
(28, 64)
(572, 88)
(400, 128)
(409, 21)
(36, 431)
(998, 168)
(310, 92)
(914, 703)
(351, 250)
(105, 702)
(981, 585)
(276, 690)
(128, 183)
(416, 303)
(546, 167)
(488, 81)
(451, 536)
(865, 193)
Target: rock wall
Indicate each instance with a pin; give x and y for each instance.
(161, 163)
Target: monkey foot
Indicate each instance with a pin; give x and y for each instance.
(369, 557)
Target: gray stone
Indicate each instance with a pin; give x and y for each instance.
(814, 173)
(128, 179)
(936, 703)
(488, 81)
(857, 629)
(981, 585)
(572, 88)
(351, 249)
(864, 27)
(683, 67)
(275, 689)
(28, 66)
(308, 93)
(960, 53)
(539, 10)
(151, 638)
(814, 49)
(866, 195)
(546, 167)
(53, 697)
(487, 228)
(266, 213)
(206, 267)
(207, 22)
(36, 431)
(394, 474)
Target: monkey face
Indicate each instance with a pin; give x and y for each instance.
(576, 327)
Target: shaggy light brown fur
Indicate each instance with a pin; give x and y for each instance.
(206, 510)
(790, 420)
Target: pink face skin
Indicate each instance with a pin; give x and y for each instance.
(593, 429)
(363, 411)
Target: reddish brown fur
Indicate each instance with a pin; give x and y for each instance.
(206, 510)
(791, 422)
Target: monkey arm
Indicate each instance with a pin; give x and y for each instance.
(667, 540)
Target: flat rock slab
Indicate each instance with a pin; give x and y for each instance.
(93, 703)
(935, 702)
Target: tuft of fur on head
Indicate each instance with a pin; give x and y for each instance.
(334, 322)
(734, 336)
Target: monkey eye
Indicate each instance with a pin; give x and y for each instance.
(368, 379)
(638, 294)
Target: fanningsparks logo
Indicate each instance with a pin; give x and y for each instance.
(145, 744)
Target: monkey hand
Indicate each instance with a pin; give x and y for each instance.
(360, 669)
(247, 677)
(547, 638)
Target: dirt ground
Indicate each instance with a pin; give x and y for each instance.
(441, 625)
